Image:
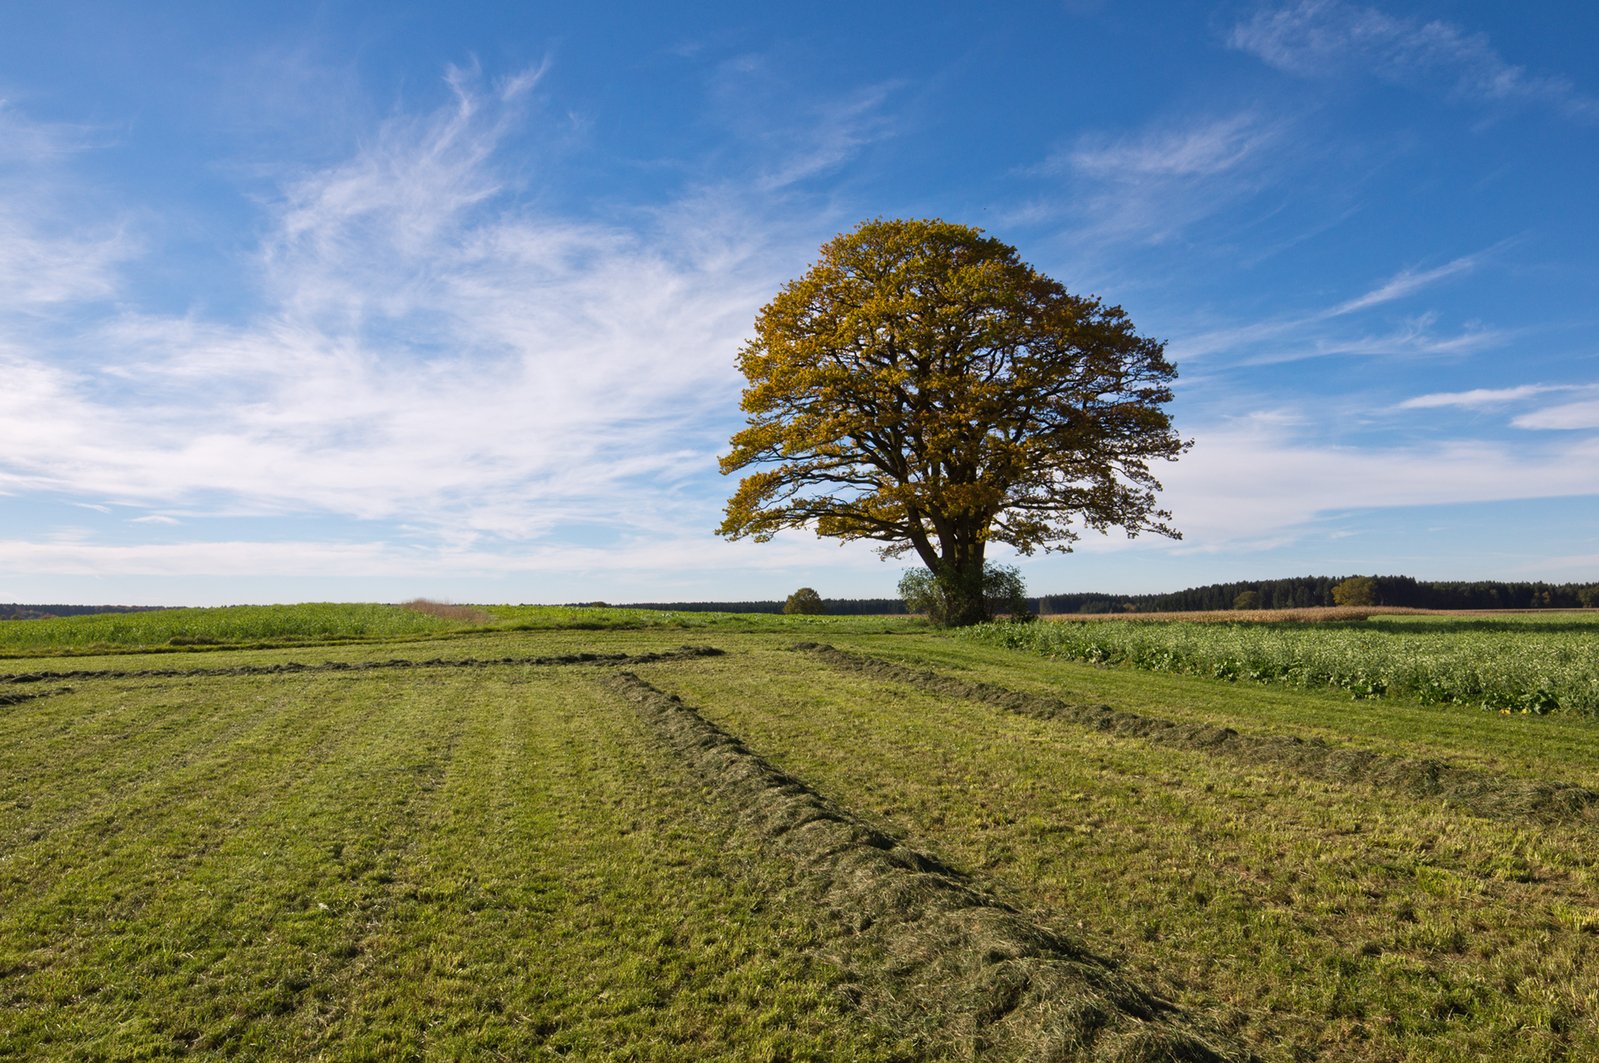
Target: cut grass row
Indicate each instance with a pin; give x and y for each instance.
(386, 865)
(1317, 919)
(1509, 666)
(951, 963)
(497, 847)
(1480, 793)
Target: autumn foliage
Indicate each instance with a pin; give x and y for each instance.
(923, 388)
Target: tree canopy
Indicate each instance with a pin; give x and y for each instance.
(804, 602)
(923, 388)
(1356, 590)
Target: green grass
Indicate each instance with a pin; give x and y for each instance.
(1312, 918)
(229, 625)
(510, 861)
(1532, 664)
(385, 867)
(267, 626)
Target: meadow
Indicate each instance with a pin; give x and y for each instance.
(591, 834)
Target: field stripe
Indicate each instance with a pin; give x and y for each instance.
(1481, 794)
(989, 981)
(294, 667)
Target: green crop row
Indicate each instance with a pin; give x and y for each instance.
(1495, 666)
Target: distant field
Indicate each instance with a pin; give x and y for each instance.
(281, 625)
(773, 838)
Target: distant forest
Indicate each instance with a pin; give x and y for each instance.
(1292, 593)
(1305, 591)
(14, 611)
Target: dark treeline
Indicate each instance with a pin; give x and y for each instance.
(15, 611)
(1301, 592)
(1298, 592)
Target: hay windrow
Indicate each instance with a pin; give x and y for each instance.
(959, 968)
(1476, 791)
(291, 667)
(32, 695)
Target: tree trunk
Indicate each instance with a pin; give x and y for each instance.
(964, 603)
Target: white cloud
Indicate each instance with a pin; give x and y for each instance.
(1318, 38)
(1257, 482)
(1148, 186)
(29, 143)
(1200, 150)
(832, 136)
(1479, 398)
(1405, 283)
(51, 253)
(1567, 416)
(641, 563)
(427, 350)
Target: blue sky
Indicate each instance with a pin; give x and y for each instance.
(353, 301)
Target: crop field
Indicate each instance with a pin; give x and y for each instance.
(584, 835)
(1534, 663)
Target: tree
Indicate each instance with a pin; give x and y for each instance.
(1247, 600)
(804, 602)
(923, 388)
(1003, 592)
(1356, 590)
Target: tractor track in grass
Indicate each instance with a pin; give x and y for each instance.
(294, 667)
(1477, 792)
(965, 970)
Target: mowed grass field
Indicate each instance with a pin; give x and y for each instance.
(595, 835)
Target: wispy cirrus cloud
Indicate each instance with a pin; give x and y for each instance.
(1323, 38)
(1149, 185)
(796, 137)
(1406, 283)
(424, 348)
(1481, 398)
(52, 250)
(1322, 333)
(1581, 413)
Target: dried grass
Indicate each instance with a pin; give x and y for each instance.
(465, 614)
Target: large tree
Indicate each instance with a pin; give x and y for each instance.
(922, 387)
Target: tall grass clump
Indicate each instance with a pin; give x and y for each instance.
(1506, 666)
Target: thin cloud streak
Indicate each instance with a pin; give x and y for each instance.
(1481, 398)
(1323, 38)
(1405, 283)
